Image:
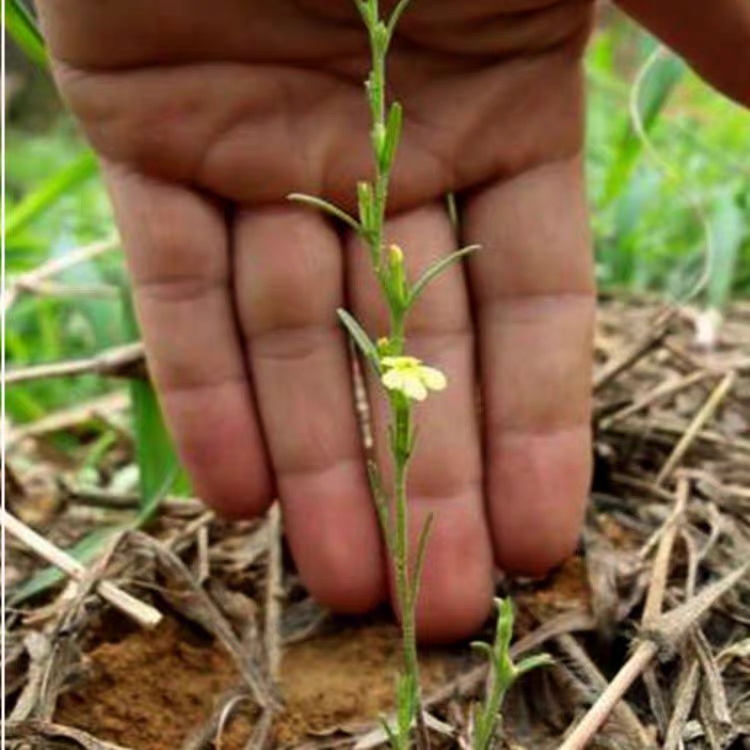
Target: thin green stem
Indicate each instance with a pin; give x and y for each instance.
(390, 279)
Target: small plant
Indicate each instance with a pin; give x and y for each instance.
(487, 717)
(404, 379)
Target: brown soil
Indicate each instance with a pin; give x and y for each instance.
(565, 590)
(151, 689)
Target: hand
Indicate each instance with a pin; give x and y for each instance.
(206, 118)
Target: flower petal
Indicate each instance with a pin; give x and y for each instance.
(433, 378)
(414, 388)
(393, 380)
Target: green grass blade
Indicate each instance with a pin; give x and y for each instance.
(728, 231)
(158, 465)
(657, 88)
(23, 29)
(49, 192)
(84, 551)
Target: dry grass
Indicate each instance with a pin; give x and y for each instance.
(650, 622)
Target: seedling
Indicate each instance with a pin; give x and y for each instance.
(403, 378)
(487, 717)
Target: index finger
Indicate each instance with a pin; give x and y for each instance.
(178, 254)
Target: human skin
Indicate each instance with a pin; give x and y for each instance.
(207, 117)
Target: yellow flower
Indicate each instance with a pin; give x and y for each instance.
(409, 376)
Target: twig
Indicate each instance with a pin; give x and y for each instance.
(707, 411)
(142, 613)
(655, 596)
(33, 279)
(643, 485)
(663, 391)
(78, 291)
(662, 429)
(211, 733)
(203, 562)
(97, 497)
(259, 738)
(663, 637)
(68, 418)
(622, 711)
(639, 350)
(34, 729)
(685, 692)
(274, 592)
(118, 362)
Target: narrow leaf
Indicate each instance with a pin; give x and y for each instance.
(483, 648)
(435, 270)
(653, 96)
(381, 500)
(424, 536)
(728, 231)
(398, 11)
(50, 191)
(365, 204)
(504, 626)
(23, 29)
(329, 208)
(392, 138)
(533, 662)
(361, 339)
(85, 551)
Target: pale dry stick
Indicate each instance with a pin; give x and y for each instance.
(656, 591)
(663, 391)
(28, 281)
(693, 562)
(52, 734)
(68, 418)
(622, 711)
(715, 691)
(664, 636)
(642, 485)
(213, 728)
(704, 477)
(76, 291)
(664, 428)
(274, 592)
(226, 713)
(142, 613)
(114, 362)
(639, 350)
(262, 731)
(706, 412)
(204, 564)
(605, 704)
(652, 609)
(653, 541)
(686, 692)
(100, 498)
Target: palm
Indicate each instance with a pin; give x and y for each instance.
(207, 122)
(252, 116)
